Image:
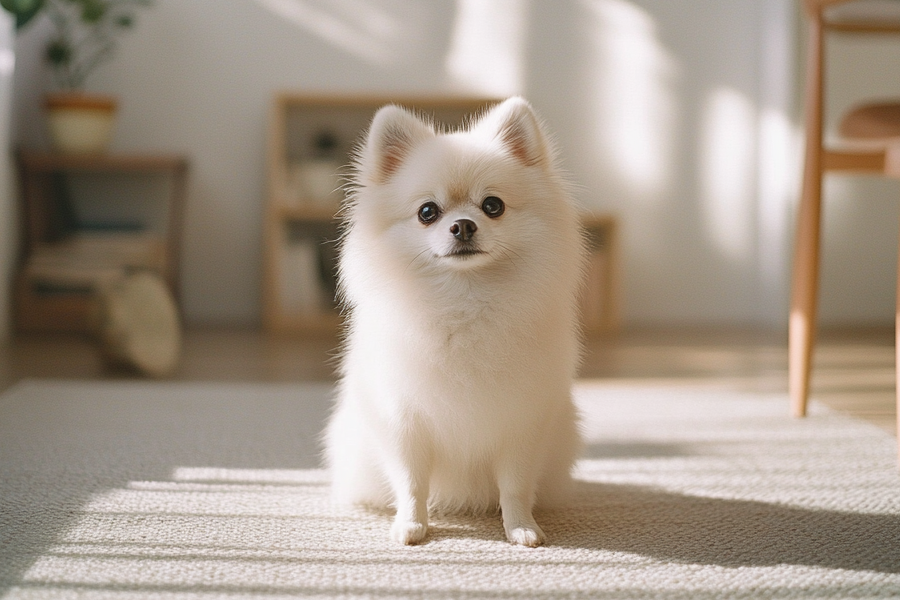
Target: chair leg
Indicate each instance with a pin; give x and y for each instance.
(804, 301)
(897, 355)
(805, 285)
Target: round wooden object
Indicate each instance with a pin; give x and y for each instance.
(139, 324)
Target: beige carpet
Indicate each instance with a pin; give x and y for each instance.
(158, 490)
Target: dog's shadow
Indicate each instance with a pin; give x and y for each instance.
(731, 533)
(689, 529)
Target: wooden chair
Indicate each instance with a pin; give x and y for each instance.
(872, 136)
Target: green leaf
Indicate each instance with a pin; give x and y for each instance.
(59, 53)
(23, 10)
(92, 11)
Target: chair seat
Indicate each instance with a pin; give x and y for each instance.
(872, 121)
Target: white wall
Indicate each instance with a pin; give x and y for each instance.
(678, 116)
(665, 110)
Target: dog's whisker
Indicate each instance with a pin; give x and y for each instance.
(414, 259)
(506, 251)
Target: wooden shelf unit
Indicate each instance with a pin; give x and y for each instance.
(47, 220)
(289, 221)
(600, 299)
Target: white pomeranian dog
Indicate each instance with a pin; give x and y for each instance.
(459, 272)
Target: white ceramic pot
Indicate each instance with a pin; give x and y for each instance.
(80, 123)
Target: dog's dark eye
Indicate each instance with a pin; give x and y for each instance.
(428, 213)
(493, 206)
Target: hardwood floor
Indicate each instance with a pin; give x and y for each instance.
(853, 372)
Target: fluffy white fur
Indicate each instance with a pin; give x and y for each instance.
(456, 369)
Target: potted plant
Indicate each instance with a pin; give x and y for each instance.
(84, 37)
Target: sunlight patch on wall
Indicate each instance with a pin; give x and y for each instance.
(7, 62)
(635, 112)
(778, 169)
(359, 27)
(487, 46)
(727, 167)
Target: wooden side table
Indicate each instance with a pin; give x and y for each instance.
(69, 242)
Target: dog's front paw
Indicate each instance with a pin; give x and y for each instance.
(408, 532)
(528, 535)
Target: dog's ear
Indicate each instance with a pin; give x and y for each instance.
(518, 128)
(393, 134)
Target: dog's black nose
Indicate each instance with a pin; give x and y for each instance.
(463, 229)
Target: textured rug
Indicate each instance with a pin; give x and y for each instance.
(159, 490)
